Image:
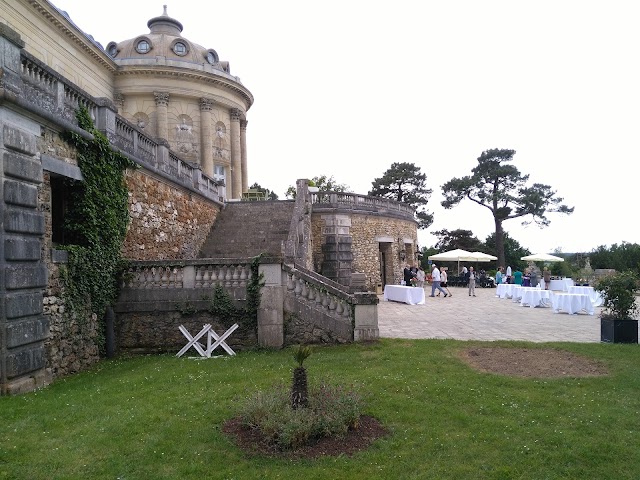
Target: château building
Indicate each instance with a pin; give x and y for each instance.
(175, 109)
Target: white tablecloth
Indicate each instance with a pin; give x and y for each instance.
(535, 297)
(571, 303)
(594, 295)
(400, 293)
(505, 290)
(559, 285)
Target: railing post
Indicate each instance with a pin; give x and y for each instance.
(271, 310)
(365, 317)
(188, 276)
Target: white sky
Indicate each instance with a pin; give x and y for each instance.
(346, 88)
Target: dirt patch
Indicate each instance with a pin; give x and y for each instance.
(532, 362)
(251, 441)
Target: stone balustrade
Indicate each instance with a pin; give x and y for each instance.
(355, 202)
(324, 297)
(198, 274)
(54, 97)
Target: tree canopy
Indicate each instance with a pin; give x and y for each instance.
(500, 187)
(459, 238)
(323, 183)
(270, 194)
(404, 182)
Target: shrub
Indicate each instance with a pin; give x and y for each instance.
(618, 291)
(332, 411)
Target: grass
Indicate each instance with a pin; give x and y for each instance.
(158, 417)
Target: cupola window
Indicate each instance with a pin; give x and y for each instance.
(179, 48)
(212, 57)
(143, 46)
(112, 49)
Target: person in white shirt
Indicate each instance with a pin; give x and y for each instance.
(443, 281)
(420, 276)
(435, 282)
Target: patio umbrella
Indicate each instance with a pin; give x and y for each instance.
(456, 255)
(542, 257)
(483, 257)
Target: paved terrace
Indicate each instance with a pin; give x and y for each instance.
(484, 317)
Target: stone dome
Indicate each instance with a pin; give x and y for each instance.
(164, 41)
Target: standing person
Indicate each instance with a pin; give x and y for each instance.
(509, 274)
(499, 276)
(435, 281)
(420, 276)
(471, 278)
(526, 279)
(408, 275)
(443, 281)
(517, 277)
(546, 276)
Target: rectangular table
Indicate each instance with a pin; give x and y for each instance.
(594, 295)
(505, 290)
(400, 293)
(571, 303)
(535, 297)
(559, 285)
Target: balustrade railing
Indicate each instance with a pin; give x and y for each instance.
(51, 92)
(197, 274)
(323, 295)
(354, 201)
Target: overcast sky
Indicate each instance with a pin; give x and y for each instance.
(346, 88)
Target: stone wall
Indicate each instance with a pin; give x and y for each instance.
(72, 345)
(365, 230)
(167, 222)
(369, 235)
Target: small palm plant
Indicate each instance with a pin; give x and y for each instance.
(299, 391)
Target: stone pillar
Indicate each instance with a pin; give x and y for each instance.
(243, 146)
(336, 248)
(118, 99)
(206, 159)
(22, 353)
(23, 327)
(271, 310)
(236, 167)
(162, 102)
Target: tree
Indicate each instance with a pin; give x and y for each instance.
(323, 183)
(403, 182)
(513, 251)
(500, 187)
(270, 194)
(625, 256)
(459, 238)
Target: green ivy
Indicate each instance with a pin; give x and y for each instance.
(96, 224)
(254, 294)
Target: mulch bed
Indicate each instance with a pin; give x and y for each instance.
(532, 362)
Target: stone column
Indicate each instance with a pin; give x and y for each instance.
(206, 159)
(236, 167)
(162, 102)
(336, 248)
(118, 99)
(243, 146)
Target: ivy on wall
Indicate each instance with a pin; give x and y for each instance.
(95, 224)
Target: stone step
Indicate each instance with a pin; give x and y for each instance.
(248, 229)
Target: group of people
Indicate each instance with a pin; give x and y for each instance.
(415, 276)
(527, 279)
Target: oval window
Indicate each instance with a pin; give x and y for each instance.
(180, 48)
(143, 46)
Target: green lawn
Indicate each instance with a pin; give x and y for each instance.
(157, 417)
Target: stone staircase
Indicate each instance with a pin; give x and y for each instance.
(246, 229)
